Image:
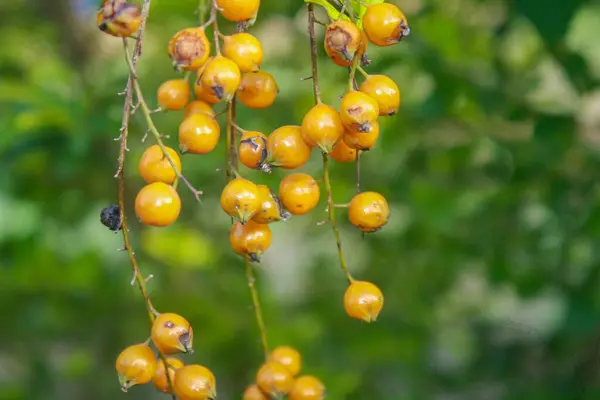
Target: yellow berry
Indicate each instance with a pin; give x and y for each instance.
(358, 111)
(299, 193)
(160, 377)
(119, 18)
(135, 365)
(368, 211)
(363, 301)
(385, 24)
(240, 199)
(238, 10)
(219, 79)
(322, 127)
(384, 91)
(155, 167)
(343, 40)
(257, 90)
(171, 334)
(245, 50)
(189, 49)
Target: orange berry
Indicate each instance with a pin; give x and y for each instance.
(158, 204)
(257, 90)
(363, 301)
(155, 167)
(195, 382)
(250, 239)
(362, 141)
(245, 50)
(384, 24)
(322, 127)
(358, 111)
(174, 94)
(253, 392)
(189, 49)
(238, 10)
(171, 334)
(369, 211)
(286, 148)
(307, 387)
(274, 379)
(343, 40)
(253, 149)
(288, 357)
(135, 365)
(384, 91)
(219, 79)
(198, 107)
(271, 209)
(119, 18)
(160, 377)
(199, 134)
(342, 153)
(240, 199)
(299, 193)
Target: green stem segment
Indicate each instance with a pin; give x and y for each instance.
(257, 308)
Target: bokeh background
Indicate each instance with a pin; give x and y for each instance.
(490, 265)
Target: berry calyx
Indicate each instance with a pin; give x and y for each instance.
(155, 167)
(307, 387)
(189, 49)
(363, 301)
(174, 94)
(358, 111)
(343, 40)
(238, 10)
(195, 382)
(172, 334)
(219, 79)
(240, 199)
(274, 379)
(299, 193)
(245, 50)
(362, 140)
(135, 365)
(160, 377)
(385, 92)
(368, 211)
(252, 150)
(250, 239)
(342, 153)
(288, 357)
(257, 90)
(198, 107)
(322, 127)
(119, 18)
(385, 24)
(199, 134)
(271, 209)
(286, 148)
(253, 392)
(158, 204)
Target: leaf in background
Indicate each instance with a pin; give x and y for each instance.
(331, 10)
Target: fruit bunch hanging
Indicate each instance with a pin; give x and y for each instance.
(226, 69)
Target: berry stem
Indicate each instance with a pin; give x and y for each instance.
(257, 308)
(362, 71)
(350, 9)
(351, 80)
(313, 53)
(215, 24)
(358, 152)
(201, 12)
(229, 140)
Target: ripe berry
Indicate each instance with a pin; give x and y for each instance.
(343, 40)
(368, 211)
(322, 127)
(155, 167)
(238, 10)
(362, 141)
(111, 217)
(171, 334)
(253, 392)
(363, 301)
(307, 387)
(286, 148)
(253, 149)
(385, 24)
(198, 107)
(342, 153)
(257, 90)
(288, 357)
(245, 50)
(135, 365)
(173, 94)
(189, 49)
(250, 239)
(160, 377)
(358, 111)
(384, 91)
(274, 379)
(271, 209)
(195, 382)
(240, 199)
(218, 80)
(119, 18)
(158, 204)
(299, 193)
(199, 134)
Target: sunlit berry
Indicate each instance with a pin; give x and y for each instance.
(199, 134)
(363, 301)
(219, 80)
(343, 40)
(171, 334)
(155, 167)
(189, 49)
(250, 239)
(286, 148)
(384, 24)
(243, 49)
(342, 153)
(274, 379)
(362, 140)
(198, 107)
(195, 382)
(240, 199)
(257, 90)
(299, 193)
(288, 357)
(307, 387)
(119, 18)
(253, 149)
(358, 111)
(385, 91)
(158, 204)
(135, 365)
(368, 211)
(238, 10)
(253, 392)
(160, 377)
(322, 127)
(174, 94)
(271, 209)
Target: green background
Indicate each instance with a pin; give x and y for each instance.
(489, 266)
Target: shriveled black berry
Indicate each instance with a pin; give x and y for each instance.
(111, 217)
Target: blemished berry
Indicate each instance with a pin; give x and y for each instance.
(198, 107)
(307, 387)
(110, 217)
(288, 357)
(135, 365)
(274, 379)
(368, 211)
(385, 91)
(271, 209)
(245, 50)
(363, 301)
(299, 193)
(253, 392)
(342, 153)
(219, 79)
(322, 127)
(158, 204)
(358, 111)
(238, 10)
(172, 334)
(160, 376)
(195, 382)
(199, 134)
(257, 90)
(286, 148)
(252, 150)
(189, 49)
(240, 199)
(155, 167)
(250, 239)
(343, 40)
(119, 18)
(362, 141)
(385, 24)
(173, 94)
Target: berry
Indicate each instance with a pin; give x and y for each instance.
(245, 50)
(136, 365)
(363, 301)
(274, 379)
(250, 239)
(362, 141)
(271, 209)
(189, 49)
(219, 79)
(257, 90)
(322, 127)
(343, 40)
(253, 149)
(198, 107)
(119, 18)
(368, 211)
(240, 199)
(342, 153)
(253, 392)
(286, 148)
(384, 24)
(158, 204)
(307, 387)
(238, 10)
(384, 91)
(358, 111)
(155, 167)
(111, 217)
(199, 134)
(288, 357)
(299, 193)
(173, 94)
(160, 377)
(171, 334)
(195, 382)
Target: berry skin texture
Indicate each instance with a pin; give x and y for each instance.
(174, 94)
(385, 92)
(199, 134)
(384, 24)
(245, 50)
(271, 209)
(322, 127)
(362, 141)
(258, 90)
(274, 379)
(155, 167)
(250, 239)
(238, 10)
(189, 49)
(288, 357)
(368, 211)
(172, 334)
(198, 107)
(253, 149)
(219, 80)
(343, 40)
(307, 387)
(240, 199)
(253, 392)
(195, 382)
(135, 365)
(342, 153)
(363, 301)
(299, 193)
(119, 18)
(160, 377)
(358, 111)
(286, 148)
(158, 204)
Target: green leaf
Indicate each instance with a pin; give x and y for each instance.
(331, 10)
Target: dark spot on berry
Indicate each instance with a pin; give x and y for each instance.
(218, 91)
(111, 217)
(103, 27)
(184, 339)
(169, 324)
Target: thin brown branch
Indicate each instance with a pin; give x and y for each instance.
(313, 53)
